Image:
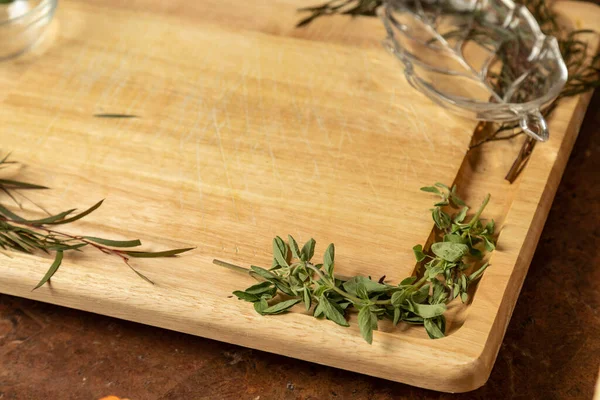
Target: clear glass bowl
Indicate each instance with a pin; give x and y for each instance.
(484, 59)
(22, 23)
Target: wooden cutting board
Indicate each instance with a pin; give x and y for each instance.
(249, 128)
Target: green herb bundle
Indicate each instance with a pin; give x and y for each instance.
(42, 235)
(448, 270)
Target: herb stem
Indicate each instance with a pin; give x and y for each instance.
(414, 287)
(105, 250)
(350, 297)
(478, 213)
(231, 266)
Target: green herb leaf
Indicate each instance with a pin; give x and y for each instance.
(450, 251)
(489, 244)
(460, 217)
(331, 313)
(367, 322)
(397, 316)
(455, 238)
(361, 291)
(490, 227)
(280, 251)
(10, 184)
(283, 287)
(408, 281)
(156, 254)
(294, 247)
(418, 251)
(328, 259)
(260, 306)
(263, 272)
(246, 296)
(307, 298)
(369, 286)
(281, 307)
(259, 288)
(308, 250)
(431, 189)
(433, 330)
(441, 219)
(457, 201)
(51, 219)
(114, 243)
(79, 216)
(318, 312)
(399, 297)
(116, 116)
(428, 310)
(52, 270)
(10, 215)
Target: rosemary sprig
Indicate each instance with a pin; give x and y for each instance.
(450, 268)
(41, 235)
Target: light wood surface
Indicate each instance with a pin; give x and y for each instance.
(250, 128)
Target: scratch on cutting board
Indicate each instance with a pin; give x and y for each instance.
(200, 181)
(316, 173)
(182, 107)
(368, 178)
(315, 113)
(66, 73)
(245, 97)
(410, 163)
(303, 121)
(117, 79)
(422, 130)
(193, 129)
(262, 114)
(220, 143)
(64, 191)
(217, 105)
(274, 165)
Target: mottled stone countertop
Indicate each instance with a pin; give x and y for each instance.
(551, 349)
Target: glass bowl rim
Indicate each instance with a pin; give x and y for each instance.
(33, 11)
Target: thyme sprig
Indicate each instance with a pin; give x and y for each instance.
(42, 235)
(447, 271)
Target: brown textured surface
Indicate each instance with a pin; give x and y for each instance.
(551, 349)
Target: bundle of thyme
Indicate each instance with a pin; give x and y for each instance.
(584, 69)
(42, 235)
(452, 265)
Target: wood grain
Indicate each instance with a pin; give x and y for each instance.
(249, 128)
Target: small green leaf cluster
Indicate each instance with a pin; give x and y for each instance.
(449, 270)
